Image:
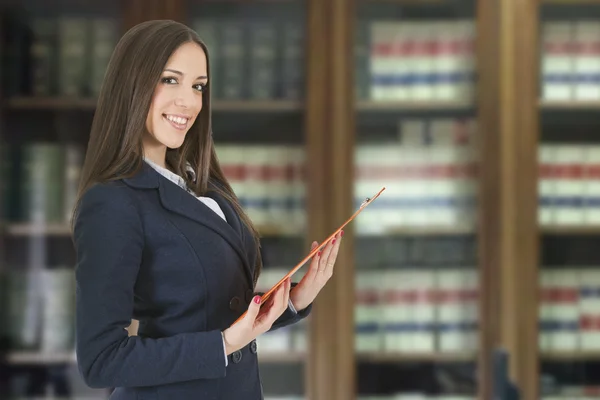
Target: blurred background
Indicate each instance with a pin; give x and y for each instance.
(475, 272)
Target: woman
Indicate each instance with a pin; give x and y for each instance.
(160, 237)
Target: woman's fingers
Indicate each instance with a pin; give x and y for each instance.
(279, 297)
(325, 254)
(330, 262)
(314, 264)
(253, 311)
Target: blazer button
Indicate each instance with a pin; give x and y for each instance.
(253, 348)
(249, 295)
(237, 356)
(235, 303)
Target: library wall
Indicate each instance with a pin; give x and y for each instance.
(432, 274)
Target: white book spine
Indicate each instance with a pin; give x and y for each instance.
(546, 184)
(58, 330)
(557, 62)
(401, 55)
(278, 187)
(565, 310)
(396, 311)
(589, 309)
(423, 88)
(298, 178)
(587, 60)
(367, 315)
(466, 57)
(569, 185)
(450, 309)
(382, 62)
(592, 185)
(423, 311)
(545, 310)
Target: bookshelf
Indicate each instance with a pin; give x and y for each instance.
(416, 268)
(473, 267)
(259, 122)
(567, 354)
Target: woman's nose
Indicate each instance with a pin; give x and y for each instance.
(184, 98)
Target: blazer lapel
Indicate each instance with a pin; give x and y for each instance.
(177, 200)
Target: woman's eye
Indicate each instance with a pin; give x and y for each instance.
(200, 86)
(169, 80)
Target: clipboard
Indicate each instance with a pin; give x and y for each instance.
(363, 205)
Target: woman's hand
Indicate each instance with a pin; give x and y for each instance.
(320, 270)
(257, 320)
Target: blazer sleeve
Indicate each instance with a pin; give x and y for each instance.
(109, 241)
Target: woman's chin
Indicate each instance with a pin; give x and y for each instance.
(174, 144)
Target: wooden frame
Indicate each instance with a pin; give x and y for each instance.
(508, 98)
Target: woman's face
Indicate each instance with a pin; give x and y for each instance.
(177, 100)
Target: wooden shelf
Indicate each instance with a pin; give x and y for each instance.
(28, 229)
(422, 231)
(292, 357)
(433, 105)
(570, 104)
(41, 358)
(410, 2)
(571, 230)
(583, 355)
(572, 2)
(257, 106)
(66, 103)
(389, 357)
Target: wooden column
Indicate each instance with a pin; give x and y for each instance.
(330, 127)
(508, 116)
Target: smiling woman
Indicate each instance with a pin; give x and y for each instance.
(161, 237)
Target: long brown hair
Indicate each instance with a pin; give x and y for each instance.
(115, 148)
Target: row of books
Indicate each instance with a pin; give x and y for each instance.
(406, 252)
(430, 176)
(68, 55)
(415, 396)
(269, 180)
(42, 182)
(569, 313)
(37, 308)
(415, 60)
(569, 184)
(570, 60)
(65, 55)
(258, 59)
(416, 310)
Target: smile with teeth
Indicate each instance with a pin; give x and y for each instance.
(177, 122)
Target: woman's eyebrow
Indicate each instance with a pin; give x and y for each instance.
(181, 73)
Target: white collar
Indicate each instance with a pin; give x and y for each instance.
(173, 177)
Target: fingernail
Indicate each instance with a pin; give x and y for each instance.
(257, 299)
(319, 254)
(333, 241)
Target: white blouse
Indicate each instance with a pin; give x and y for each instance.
(178, 180)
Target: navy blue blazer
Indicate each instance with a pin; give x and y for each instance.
(147, 249)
